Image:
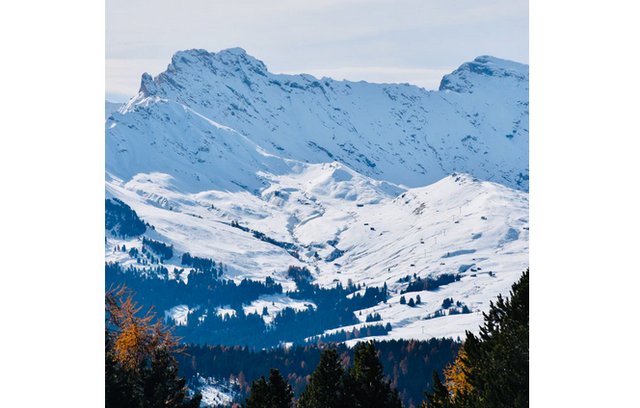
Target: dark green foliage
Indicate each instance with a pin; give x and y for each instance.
(439, 397)
(275, 393)
(411, 303)
(160, 248)
(447, 303)
(365, 384)
(406, 363)
(163, 387)
(200, 264)
(499, 356)
(121, 220)
(326, 387)
(298, 274)
(259, 395)
(207, 290)
(403, 301)
(121, 386)
(431, 283)
(373, 317)
(279, 390)
(497, 360)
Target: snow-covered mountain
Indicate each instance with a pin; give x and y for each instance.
(224, 112)
(351, 180)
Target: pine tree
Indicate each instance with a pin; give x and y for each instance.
(275, 393)
(259, 395)
(280, 391)
(365, 384)
(439, 397)
(326, 384)
(162, 385)
(403, 301)
(499, 357)
(492, 369)
(412, 303)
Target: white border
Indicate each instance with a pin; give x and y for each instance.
(584, 206)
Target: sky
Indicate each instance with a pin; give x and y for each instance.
(398, 41)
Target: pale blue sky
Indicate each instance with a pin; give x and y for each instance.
(415, 41)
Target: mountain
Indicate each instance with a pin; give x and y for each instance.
(210, 112)
(110, 107)
(350, 183)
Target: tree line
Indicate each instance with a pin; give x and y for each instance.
(491, 369)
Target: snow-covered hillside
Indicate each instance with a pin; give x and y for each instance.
(351, 180)
(217, 118)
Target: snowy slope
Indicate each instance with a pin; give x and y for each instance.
(211, 112)
(356, 177)
(110, 107)
(459, 225)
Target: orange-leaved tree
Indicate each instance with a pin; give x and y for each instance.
(140, 369)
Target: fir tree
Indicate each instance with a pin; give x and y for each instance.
(281, 394)
(439, 397)
(499, 357)
(275, 393)
(326, 384)
(365, 384)
(259, 395)
(162, 386)
(492, 369)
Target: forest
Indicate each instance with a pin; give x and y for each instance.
(155, 286)
(146, 366)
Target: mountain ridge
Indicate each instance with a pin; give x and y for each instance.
(381, 185)
(399, 133)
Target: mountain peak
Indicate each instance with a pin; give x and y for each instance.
(464, 79)
(194, 63)
(230, 58)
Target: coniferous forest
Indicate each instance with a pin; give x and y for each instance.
(147, 367)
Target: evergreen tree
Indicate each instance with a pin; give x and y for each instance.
(366, 387)
(492, 369)
(162, 386)
(326, 384)
(439, 397)
(276, 393)
(499, 357)
(280, 391)
(412, 303)
(403, 301)
(259, 395)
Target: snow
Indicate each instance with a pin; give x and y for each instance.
(215, 392)
(275, 304)
(216, 118)
(369, 182)
(177, 314)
